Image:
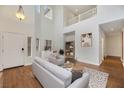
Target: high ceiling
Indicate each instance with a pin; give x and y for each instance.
(78, 9)
(9, 12)
(114, 27)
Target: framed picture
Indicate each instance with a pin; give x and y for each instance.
(48, 45)
(86, 40)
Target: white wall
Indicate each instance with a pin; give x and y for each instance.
(67, 16)
(37, 27)
(0, 50)
(102, 45)
(50, 29)
(114, 45)
(107, 13)
(104, 14)
(44, 28)
(69, 37)
(83, 54)
(9, 23)
(89, 55)
(47, 28)
(58, 27)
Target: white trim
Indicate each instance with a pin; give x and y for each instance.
(11, 32)
(123, 63)
(101, 62)
(27, 64)
(1, 67)
(88, 62)
(121, 60)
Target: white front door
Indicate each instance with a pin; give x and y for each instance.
(12, 50)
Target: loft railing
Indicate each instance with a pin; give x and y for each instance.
(88, 14)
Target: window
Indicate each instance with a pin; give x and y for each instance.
(48, 12)
(29, 46)
(37, 44)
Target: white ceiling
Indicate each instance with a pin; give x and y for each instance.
(80, 8)
(113, 28)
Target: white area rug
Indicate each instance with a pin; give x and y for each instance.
(98, 79)
(1, 80)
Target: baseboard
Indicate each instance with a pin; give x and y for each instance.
(1, 68)
(114, 56)
(87, 62)
(27, 64)
(121, 60)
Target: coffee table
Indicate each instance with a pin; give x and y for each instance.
(76, 73)
(69, 66)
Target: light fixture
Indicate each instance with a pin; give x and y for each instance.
(20, 13)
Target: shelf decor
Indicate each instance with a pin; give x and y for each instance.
(69, 49)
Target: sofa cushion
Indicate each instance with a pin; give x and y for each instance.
(61, 73)
(45, 54)
(56, 61)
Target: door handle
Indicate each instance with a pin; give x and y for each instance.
(22, 49)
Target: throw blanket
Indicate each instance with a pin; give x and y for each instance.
(76, 75)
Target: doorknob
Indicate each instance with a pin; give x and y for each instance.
(22, 49)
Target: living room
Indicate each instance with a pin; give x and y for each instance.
(46, 31)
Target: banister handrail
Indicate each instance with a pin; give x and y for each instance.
(88, 14)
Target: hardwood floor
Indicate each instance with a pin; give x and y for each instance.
(22, 77)
(113, 66)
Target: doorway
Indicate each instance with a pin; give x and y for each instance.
(111, 40)
(12, 49)
(69, 41)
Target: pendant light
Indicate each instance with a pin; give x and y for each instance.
(20, 13)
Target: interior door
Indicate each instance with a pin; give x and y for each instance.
(13, 50)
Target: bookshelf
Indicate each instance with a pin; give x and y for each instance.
(69, 49)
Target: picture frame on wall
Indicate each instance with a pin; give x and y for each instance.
(48, 45)
(86, 40)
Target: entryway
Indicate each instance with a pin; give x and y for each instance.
(12, 49)
(111, 51)
(111, 34)
(69, 41)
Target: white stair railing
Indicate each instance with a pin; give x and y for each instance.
(88, 14)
